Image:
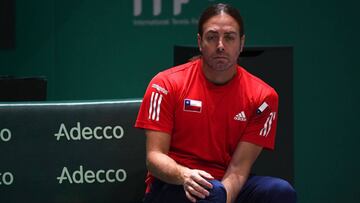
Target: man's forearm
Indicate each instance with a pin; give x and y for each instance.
(233, 184)
(239, 169)
(165, 168)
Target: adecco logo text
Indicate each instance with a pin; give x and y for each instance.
(157, 6)
(86, 133)
(89, 176)
(5, 135)
(6, 178)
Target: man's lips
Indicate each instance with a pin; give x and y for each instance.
(220, 57)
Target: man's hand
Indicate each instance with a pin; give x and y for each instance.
(196, 184)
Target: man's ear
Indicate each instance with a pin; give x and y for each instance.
(199, 41)
(242, 43)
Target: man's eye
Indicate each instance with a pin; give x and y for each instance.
(229, 38)
(210, 38)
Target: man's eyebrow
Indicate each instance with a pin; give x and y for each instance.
(217, 32)
(212, 32)
(231, 33)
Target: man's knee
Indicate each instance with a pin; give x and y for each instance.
(217, 186)
(280, 190)
(217, 193)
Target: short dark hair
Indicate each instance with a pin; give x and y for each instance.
(215, 10)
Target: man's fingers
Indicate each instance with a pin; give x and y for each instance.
(198, 190)
(206, 175)
(190, 197)
(200, 179)
(197, 185)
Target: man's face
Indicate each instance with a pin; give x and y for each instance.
(221, 42)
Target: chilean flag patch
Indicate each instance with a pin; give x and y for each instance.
(192, 105)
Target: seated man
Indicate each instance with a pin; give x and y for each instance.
(208, 120)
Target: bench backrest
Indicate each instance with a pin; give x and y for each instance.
(83, 152)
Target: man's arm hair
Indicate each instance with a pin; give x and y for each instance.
(166, 169)
(158, 162)
(239, 168)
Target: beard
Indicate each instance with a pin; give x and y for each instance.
(222, 63)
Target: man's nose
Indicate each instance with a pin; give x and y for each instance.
(220, 46)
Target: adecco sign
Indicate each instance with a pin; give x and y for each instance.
(86, 133)
(6, 178)
(5, 135)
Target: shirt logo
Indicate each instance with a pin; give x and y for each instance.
(240, 116)
(159, 88)
(192, 105)
(261, 108)
(154, 108)
(267, 126)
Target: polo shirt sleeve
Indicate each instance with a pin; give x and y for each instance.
(261, 129)
(157, 108)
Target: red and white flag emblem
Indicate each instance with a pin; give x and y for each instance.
(192, 105)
